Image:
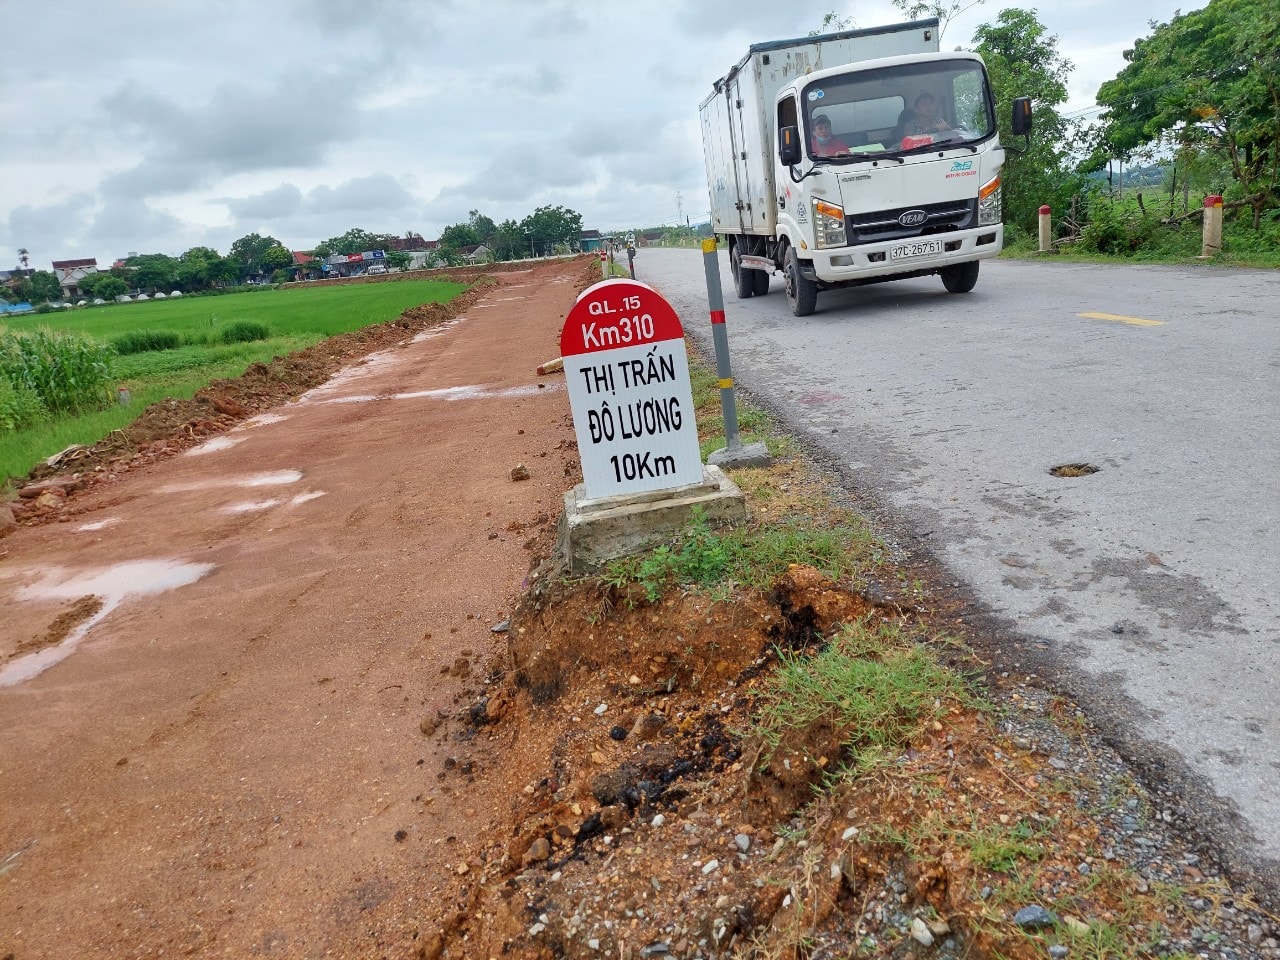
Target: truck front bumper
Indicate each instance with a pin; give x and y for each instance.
(870, 260)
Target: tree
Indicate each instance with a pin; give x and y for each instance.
(200, 267)
(109, 287)
(833, 22)
(509, 242)
(356, 240)
(276, 258)
(483, 227)
(944, 10)
(1209, 81)
(1022, 60)
(548, 226)
(89, 285)
(398, 259)
(24, 257)
(40, 287)
(153, 271)
(458, 235)
(248, 250)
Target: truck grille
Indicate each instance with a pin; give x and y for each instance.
(883, 224)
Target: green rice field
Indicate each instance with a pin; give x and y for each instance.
(295, 318)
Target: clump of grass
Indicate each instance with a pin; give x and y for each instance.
(876, 690)
(708, 558)
(67, 372)
(144, 341)
(243, 331)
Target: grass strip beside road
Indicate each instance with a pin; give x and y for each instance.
(295, 319)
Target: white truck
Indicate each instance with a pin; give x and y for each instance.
(855, 157)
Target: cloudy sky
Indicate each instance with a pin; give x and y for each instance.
(158, 125)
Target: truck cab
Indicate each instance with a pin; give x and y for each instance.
(897, 174)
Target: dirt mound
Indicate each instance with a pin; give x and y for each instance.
(627, 722)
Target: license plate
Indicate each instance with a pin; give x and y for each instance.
(921, 248)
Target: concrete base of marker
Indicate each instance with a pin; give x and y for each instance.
(747, 455)
(593, 532)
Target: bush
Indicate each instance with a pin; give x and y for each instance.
(142, 341)
(243, 331)
(19, 407)
(1116, 228)
(66, 371)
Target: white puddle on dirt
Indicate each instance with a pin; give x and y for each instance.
(261, 420)
(252, 506)
(255, 506)
(97, 525)
(271, 479)
(432, 332)
(112, 585)
(214, 445)
(373, 363)
(449, 393)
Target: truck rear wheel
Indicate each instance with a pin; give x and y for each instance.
(960, 278)
(802, 293)
(760, 280)
(743, 280)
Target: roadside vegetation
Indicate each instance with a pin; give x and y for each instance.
(825, 766)
(74, 377)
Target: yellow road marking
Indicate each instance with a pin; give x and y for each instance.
(1132, 321)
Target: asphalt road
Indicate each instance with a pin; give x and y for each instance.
(1150, 587)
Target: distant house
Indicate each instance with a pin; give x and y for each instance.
(649, 237)
(591, 240)
(476, 253)
(71, 272)
(425, 255)
(304, 265)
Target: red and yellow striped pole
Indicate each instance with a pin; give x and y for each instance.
(720, 337)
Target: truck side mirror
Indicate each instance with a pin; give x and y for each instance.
(789, 146)
(1021, 116)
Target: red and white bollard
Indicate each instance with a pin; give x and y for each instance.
(604, 263)
(1211, 244)
(1046, 230)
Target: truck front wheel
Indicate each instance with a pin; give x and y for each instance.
(960, 278)
(802, 293)
(743, 280)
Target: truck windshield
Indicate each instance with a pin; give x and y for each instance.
(899, 109)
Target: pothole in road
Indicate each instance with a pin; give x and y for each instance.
(1073, 470)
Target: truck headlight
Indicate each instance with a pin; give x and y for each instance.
(828, 225)
(989, 206)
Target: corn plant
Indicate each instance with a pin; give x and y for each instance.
(67, 372)
(19, 407)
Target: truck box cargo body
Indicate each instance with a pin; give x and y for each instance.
(906, 182)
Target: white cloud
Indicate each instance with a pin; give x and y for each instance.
(183, 124)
